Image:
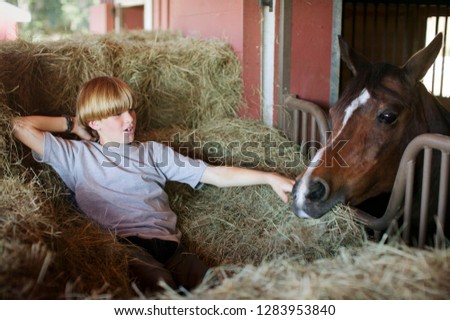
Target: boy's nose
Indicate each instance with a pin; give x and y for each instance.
(128, 116)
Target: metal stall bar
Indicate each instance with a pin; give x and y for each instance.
(443, 199)
(425, 197)
(312, 131)
(401, 197)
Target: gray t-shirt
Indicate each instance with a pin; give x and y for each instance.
(121, 186)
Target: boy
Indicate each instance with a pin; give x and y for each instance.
(119, 183)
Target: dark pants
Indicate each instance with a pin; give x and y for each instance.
(155, 260)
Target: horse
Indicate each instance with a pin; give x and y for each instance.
(379, 112)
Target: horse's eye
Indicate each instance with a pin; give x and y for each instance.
(387, 117)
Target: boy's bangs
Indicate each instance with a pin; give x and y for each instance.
(113, 105)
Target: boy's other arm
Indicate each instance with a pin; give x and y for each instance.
(235, 177)
(30, 130)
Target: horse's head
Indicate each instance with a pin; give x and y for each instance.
(383, 108)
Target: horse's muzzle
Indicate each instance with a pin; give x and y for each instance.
(312, 198)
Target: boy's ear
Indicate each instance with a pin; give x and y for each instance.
(94, 125)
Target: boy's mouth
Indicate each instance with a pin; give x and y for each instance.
(129, 130)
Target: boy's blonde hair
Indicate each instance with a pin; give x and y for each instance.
(101, 98)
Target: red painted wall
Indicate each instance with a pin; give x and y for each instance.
(133, 18)
(224, 20)
(311, 50)
(101, 18)
(251, 61)
(161, 14)
(206, 18)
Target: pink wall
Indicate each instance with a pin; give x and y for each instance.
(206, 18)
(223, 20)
(311, 50)
(8, 29)
(101, 18)
(251, 62)
(161, 14)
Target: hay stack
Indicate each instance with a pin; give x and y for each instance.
(49, 251)
(371, 272)
(185, 82)
(45, 78)
(177, 80)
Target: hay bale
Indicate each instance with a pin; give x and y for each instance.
(176, 80)
(183, 82)
(45, 78)
(136, 37)
(11, 156)
(370, 272)
(48, 250)
(250, 225)
(5, 139)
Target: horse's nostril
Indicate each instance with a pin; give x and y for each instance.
(318, 190)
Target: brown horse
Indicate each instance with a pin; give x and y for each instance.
(382, 109)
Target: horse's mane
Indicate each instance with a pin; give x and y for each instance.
(437, 115)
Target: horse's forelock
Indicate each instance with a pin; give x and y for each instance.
(371, 79)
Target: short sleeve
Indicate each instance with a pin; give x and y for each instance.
(60, 155)
(177, 167)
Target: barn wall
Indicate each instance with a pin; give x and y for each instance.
(312, 27)
(133, 18)
(101, 18)
(240, 23)
(252, 58)
(161, 14)
(224, 20)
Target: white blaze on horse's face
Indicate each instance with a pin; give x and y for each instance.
(355, 105)
(302, 189)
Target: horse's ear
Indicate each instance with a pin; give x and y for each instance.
(417, 66)
(354, 60)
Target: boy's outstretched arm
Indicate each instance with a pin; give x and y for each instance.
(235, 177)
(30, 130)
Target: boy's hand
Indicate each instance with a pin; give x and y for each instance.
(281, 185)
(80, 131)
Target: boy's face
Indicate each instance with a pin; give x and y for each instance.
(118, 128)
